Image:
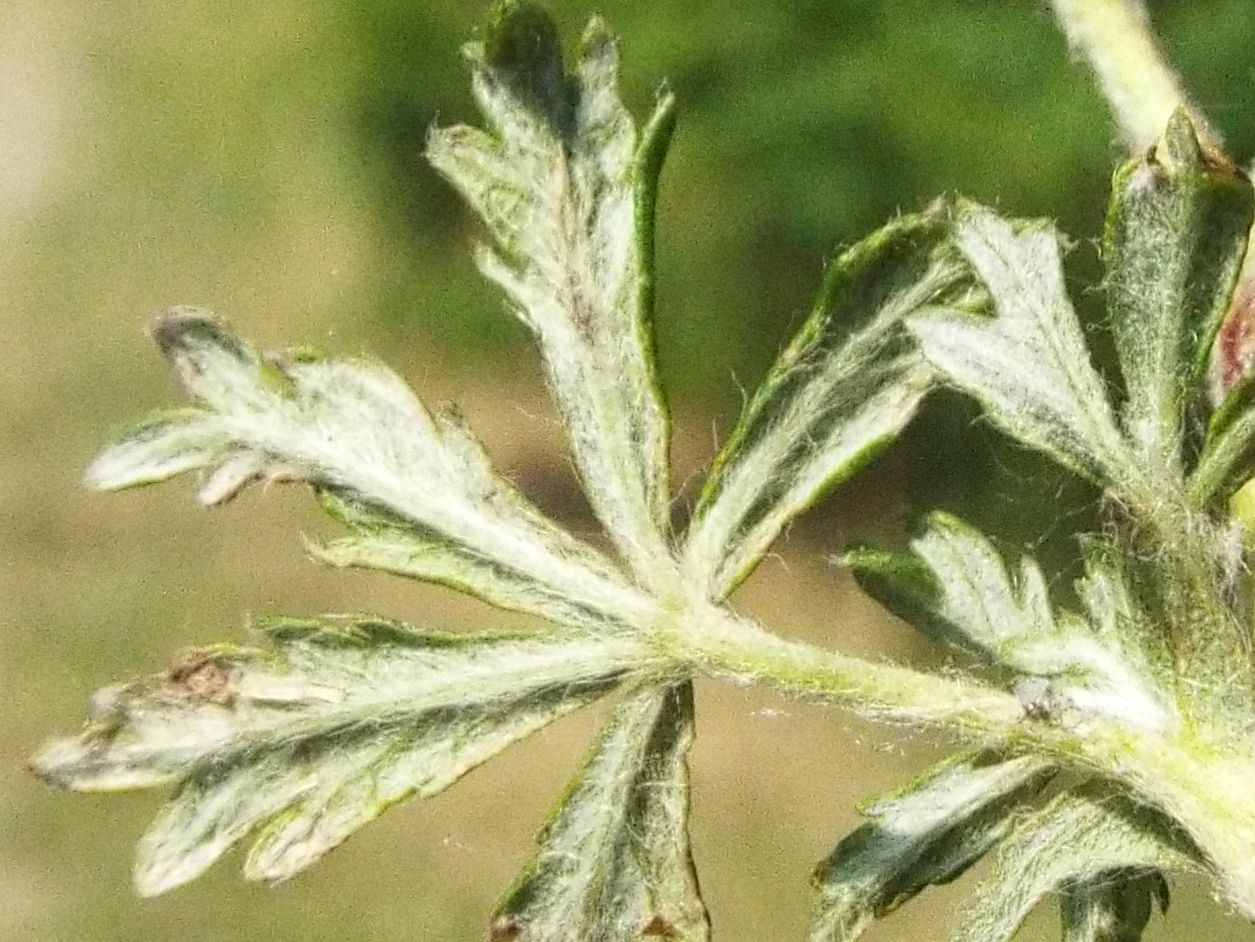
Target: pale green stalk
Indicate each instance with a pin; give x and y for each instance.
(731, 648)
(1203, 787)
(1143, 90)
(1115, 37)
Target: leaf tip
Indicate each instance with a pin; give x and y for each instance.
(1186, 149)
(172, 328)
(1179, 148)
(155, 874)
(77, 763)
(505, 928)
(148, 884)
(523, 46)
(98, 476)
(659, 926)
(597, 38)
(48, 764)
(231, 477)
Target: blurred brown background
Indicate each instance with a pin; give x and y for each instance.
(263, 160)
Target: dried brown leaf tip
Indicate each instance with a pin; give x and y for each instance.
(659, 926)
(505, 929)
(202, 678)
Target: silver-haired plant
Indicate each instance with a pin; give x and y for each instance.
(1103, 740)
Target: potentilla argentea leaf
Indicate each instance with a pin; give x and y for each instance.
(1113, 906)
(1082, 835)
(954, 585)
(566, 187)
(928, 833)
(614, 862)
(304, 741)
(1142, 702)
(1175, 239)
(388, 544)
(353, 430)
(843, 389)
(1028, 365)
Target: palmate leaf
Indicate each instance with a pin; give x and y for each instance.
(306, 740)
(928, 833)
(614, 862)
(1081, 841)
(1028, 365)
(843, 389)
(301, 741)
(415, 487)
(954, 585)
(1175, 239)
(566, 187)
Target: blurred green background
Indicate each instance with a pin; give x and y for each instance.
(264, 160)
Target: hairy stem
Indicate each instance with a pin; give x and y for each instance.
(1203, 789)
(1115, 37)
(727, 647)
(1200, 787)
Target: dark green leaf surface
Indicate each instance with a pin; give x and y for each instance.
(842, 390)
(614, 862)
(954, 584)
(1082, 836)
(926, 834)
(1113, 906)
